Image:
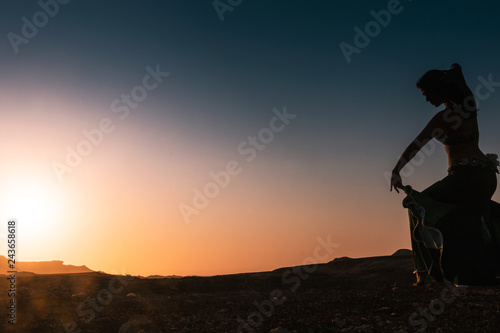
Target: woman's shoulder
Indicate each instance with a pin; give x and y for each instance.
(463, 111)
(453, 121)
(441, 115)
(456, 112)
(446, 120)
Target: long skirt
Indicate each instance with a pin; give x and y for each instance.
(455, 227)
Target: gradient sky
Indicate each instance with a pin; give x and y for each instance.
(322, 174)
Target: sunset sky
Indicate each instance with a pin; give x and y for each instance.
(158, 97)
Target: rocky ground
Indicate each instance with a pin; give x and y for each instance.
(346, 295)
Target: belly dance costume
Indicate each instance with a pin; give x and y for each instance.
(455, 226)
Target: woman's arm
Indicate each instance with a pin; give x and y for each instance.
(430, 130)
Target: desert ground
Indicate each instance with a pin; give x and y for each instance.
(345, 295)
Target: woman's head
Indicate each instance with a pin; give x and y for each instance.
(446, 86)
(431, 86)
(432, 80)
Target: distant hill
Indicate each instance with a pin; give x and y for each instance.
(43, 267)
(401, 260)
(403, 252)
(161, 277)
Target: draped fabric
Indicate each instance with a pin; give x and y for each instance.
(456, 242)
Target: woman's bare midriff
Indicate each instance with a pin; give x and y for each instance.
(455, 153)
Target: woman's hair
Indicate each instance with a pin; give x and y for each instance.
(450, 84)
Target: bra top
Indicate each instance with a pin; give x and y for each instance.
(458, 140)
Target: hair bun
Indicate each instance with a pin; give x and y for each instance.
(453, 75)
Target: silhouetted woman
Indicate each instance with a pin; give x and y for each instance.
(450, 234)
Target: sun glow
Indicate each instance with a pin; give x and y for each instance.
(34, 202)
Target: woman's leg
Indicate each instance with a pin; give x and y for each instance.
(464, 255)
(464, 185)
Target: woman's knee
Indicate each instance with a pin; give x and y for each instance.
(445, 190)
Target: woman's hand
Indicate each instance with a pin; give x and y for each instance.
(396, 181)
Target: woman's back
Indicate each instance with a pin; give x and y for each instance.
(458, 131)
